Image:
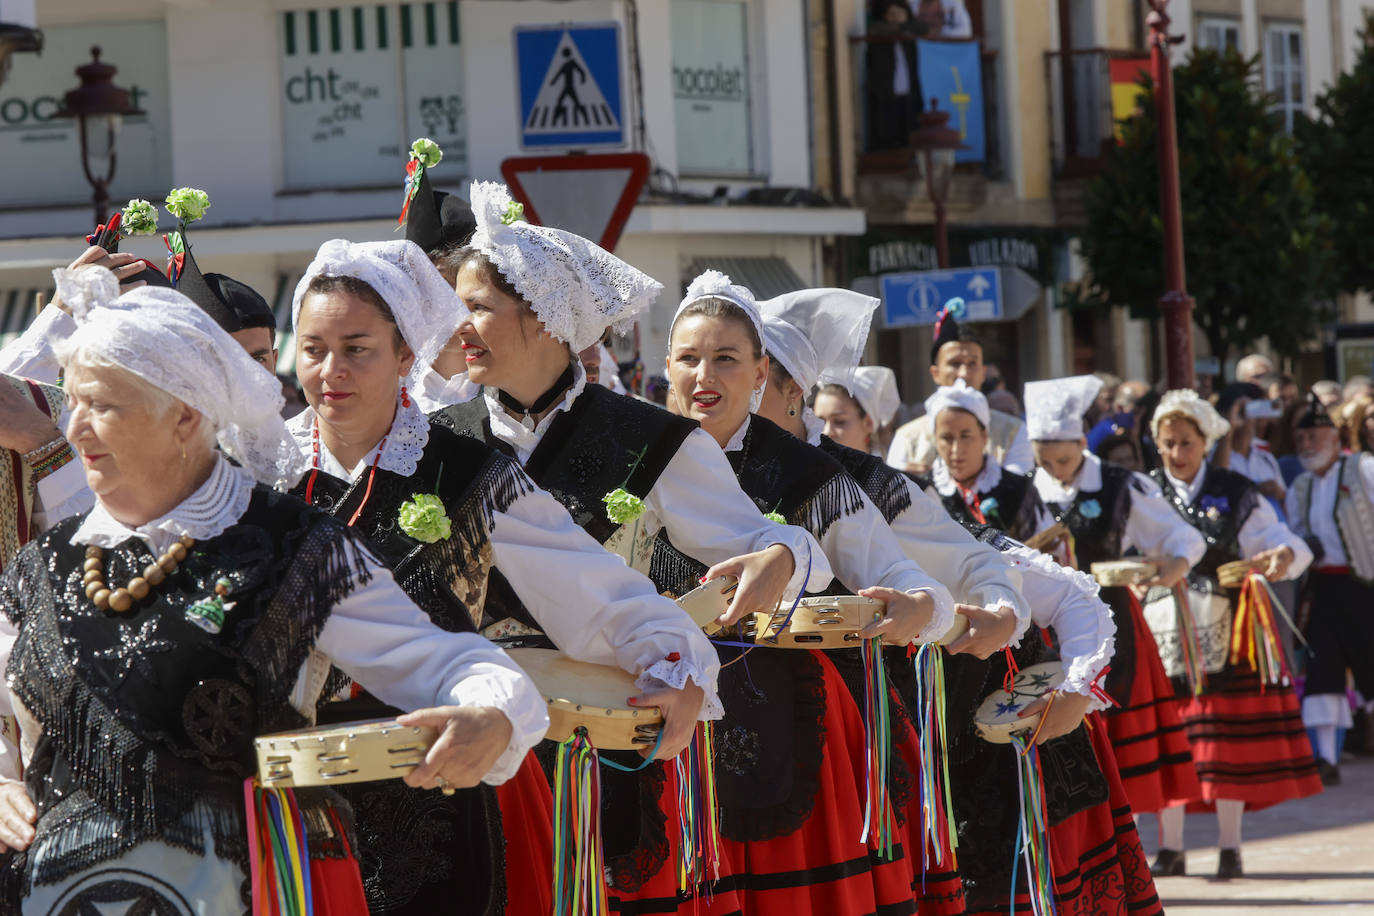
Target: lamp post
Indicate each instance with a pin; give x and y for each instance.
(99, 107)
(936, 144)
(1176, 304)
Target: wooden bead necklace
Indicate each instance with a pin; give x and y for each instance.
(120, 600)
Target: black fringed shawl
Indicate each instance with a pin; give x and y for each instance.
(147, 720)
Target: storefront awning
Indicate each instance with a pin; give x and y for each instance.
(765, 277)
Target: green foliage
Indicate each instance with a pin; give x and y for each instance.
(1256, 250)
(1337, 150)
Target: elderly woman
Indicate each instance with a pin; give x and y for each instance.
(480, 548)
(1245, 728)
(150, 640)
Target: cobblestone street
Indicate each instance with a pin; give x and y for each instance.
(1313, 856)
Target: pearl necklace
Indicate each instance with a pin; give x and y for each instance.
(122, 599)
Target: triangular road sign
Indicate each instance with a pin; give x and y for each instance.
(569, 99)
(591, 195)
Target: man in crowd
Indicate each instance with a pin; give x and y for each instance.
(1254, 367)
(1242, 450)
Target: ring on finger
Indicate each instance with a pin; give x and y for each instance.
(444, 785)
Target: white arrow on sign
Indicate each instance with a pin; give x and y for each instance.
(979, 285)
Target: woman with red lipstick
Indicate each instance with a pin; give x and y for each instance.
(797, 842)
(449, 515)
(624, 469)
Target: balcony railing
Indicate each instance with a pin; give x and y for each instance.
(884, 148)
(1082, 119)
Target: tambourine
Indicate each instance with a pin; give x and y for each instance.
(347, 752)
(1044, 540)
(709, 601)
(1123, 572)
(583, 695)
(998, 718)
(1233, 575)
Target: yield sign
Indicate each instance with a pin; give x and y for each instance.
(591, 195)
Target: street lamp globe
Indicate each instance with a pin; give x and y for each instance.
(99, 106)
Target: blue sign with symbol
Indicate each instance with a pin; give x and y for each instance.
(915, 298)
(952, 71)
(570, 85)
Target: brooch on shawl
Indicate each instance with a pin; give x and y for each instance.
(1214, 507)
(1090, 508)
(209, 614)
(423, 516)
(622, 506)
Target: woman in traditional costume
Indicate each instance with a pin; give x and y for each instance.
(1109, 510)
(858, 407)
(1099, 866)
(970, 482)
(798, 847)
(150, 640)
(1245, 726)
(462, 527)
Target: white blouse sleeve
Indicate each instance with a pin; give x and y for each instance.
(378, 637)
(976, 573)
(1019, 459)
(594, 607)
(31, 354)
(708, 517)
(1156, 529)
(61, 494)
(864, 553)
(1066, 599)
(1263, 531)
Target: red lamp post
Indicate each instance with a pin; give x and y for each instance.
(1176, 304)
(936, 144)
(100, 108)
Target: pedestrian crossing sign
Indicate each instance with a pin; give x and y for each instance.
(570, 85)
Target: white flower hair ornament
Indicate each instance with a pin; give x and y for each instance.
(576, 288)
(713, 284)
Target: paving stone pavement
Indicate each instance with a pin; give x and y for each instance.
(1303, 857)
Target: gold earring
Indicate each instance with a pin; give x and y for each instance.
(183, 450)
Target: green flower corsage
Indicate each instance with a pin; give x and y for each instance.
(423, 518)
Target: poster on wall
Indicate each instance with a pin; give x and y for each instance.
(46, 150)
(359, 83)
(711, 87)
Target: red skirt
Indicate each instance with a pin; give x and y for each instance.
(823, 868)
(1099, 866)
(1147, 734)
(1250, 745)
(527, 822)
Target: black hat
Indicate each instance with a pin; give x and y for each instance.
(235, 306)
(1315, 417)
(435, 220)
(151, 275)
(948, 329)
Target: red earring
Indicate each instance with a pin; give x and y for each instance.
(405, 398)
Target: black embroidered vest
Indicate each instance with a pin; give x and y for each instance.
(1014, 512)
(1223, 505)
(147, 719)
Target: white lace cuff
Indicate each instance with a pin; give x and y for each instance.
(940, 621)
(1023, 620)
(1081, 673)
(674, 675)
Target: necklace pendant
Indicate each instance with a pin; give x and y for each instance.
(527, 422)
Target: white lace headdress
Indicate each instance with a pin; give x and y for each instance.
(170, 342)
(958, 395)
(715, 285)
(576, 288)
(1185, 401)
(426, 309)
(874, 387)
(1055, 408)
(812, 330)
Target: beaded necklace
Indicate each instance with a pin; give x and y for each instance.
(315, 471)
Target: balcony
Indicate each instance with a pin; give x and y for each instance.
(1089, 91)
(886, 181)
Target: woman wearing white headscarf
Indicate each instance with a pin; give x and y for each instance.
(858, 407)
(476, 544)
(1246, 735)
(150, 640)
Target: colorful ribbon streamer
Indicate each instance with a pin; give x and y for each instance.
(1255, 632)
(1033, 841)
(279, 856)
(879, 820)
(579, 882)
(699, 818)
(937, 810)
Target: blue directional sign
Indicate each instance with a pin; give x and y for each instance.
(570, 85)
(915, 298)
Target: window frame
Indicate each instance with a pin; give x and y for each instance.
(1223, 24)
(1277, 74)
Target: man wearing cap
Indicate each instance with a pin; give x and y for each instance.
(1331, 505)
(957, 353)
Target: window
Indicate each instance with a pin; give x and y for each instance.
(1283, 71)
(1216, 33)
(711, 92)
(359, 83)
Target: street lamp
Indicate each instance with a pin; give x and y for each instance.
(1176, 304)
(16, 38)
(100, 107)
(936, 145)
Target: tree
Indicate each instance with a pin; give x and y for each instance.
(1256, 251)
(1337, 150)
